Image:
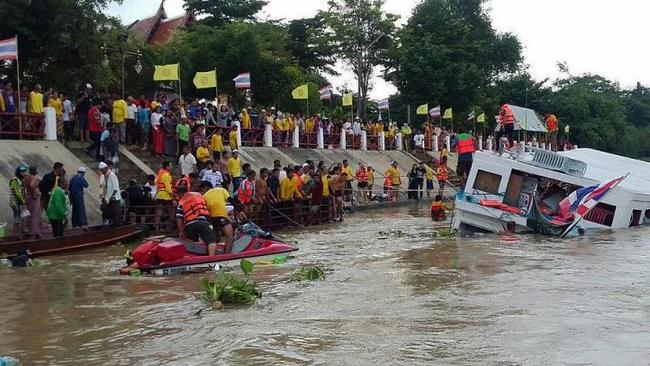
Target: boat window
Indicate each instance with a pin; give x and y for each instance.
(602, 214)
(487, 182)
(646, 217)
(635, 220)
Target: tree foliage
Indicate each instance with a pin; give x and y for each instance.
(219, 12)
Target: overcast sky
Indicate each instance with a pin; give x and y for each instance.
(595, 36)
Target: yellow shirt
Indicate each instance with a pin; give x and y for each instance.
(120, 111)
(216, 199)
(428, 172)
(394, 175)
(326, 186)
(234, 169)
(35, 102)
(245, 120)
(154, 104)
(57, 105)
(203, 154)
(347, 170)
(232, 138)
(371, 176)
(289, 189)
(216, 142)
(165, 194)
(309, 125)
(292, 124)
(2, 103)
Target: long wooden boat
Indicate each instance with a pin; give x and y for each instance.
(71, 241)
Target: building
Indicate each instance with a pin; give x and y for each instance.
(157, 29)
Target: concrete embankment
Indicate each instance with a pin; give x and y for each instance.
(43, 154)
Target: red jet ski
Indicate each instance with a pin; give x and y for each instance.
(164, 256)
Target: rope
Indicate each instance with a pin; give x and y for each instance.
(287, 217)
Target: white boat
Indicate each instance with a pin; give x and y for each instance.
(526, 188)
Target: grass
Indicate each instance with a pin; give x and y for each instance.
(308, 274)
(445, 233)
(227, 288)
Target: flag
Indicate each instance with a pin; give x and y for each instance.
(481, 118)
(471, 116)
(582, 200)
(347, 99)
(566, 129)
(301, 92)
(243, 81)
(325, 93)
(423, 109)
(205, 79)
(165, 72)
(9, 49)
(449, 114)
(435, 112)
(383, 104)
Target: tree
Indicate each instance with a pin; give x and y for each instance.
(448, 53)
(307, 48)
(360, 33)
(220, 12)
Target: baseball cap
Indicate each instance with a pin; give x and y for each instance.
(88, 86)
(82, 169)
(103, 165)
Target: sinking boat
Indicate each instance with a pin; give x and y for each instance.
(167, 256)
(527, 185)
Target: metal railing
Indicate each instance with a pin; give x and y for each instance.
(20, 126)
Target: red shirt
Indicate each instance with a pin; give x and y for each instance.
(94, 120)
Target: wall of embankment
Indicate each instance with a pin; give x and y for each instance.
(43, 154)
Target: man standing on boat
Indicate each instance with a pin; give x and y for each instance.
(33, 200)
(551, 126)
(76, 192)
(507, 123)
(112, 200)
(467, 145)
(48, 182)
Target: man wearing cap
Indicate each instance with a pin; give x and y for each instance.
(76, 193)
(84, 103)
(113, 196)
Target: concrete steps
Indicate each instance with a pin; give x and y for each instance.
(127, 169)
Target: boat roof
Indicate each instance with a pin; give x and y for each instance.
(526, 119)
(602, 167)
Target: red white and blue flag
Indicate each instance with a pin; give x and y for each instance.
(383, 104)
(325, 92)
(243, 81)
(435, 112)
(9, 49)
(582, 200)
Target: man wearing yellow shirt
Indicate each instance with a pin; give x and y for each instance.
(203, 154)
(348, 180)
(120, 111)
(234, 170)
(371, 179)
(216, 144)
(164, 195)
(232, 138)
(54, 102)
(428, 175)
(289, 188)
(36, 100)
(309, 125)
(215, 199)
(395, 179)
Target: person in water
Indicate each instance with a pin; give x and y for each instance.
(508, 233)
(438, 209)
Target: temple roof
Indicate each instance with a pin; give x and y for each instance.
(156, 29)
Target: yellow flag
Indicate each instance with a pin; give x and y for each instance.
(347, 100)
(448, 114)
(423, 109)
(165, 72)
(481, 118)
(205, 79)
(301, 92)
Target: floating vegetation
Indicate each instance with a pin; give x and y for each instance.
(308, 274)
(227, 288)
(445, 233)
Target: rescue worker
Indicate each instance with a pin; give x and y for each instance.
(442, 175)
(438, 209)
(164, 195)
(215, 199)
(395, 179)
(246, 194)
(507, 123)
(551, 126)
(192, 219)
(467, 145)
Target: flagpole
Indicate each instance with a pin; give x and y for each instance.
(307, 99)
(216, 87)
(389, 119)
(180, 95)
(20, 122)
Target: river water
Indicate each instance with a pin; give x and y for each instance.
(404, 299)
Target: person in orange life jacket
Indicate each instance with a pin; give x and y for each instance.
(438, 209)
(443, 175)
(387, 186)
(551, 125)
(506, 123)
(247, 193)
(164, 195)
(467, 145)
(188, 181)
(508, 233)
(192, 218)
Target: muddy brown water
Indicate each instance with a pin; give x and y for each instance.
(401, 300)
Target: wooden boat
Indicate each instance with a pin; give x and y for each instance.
(72, 240)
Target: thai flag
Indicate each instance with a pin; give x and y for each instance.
(584, 199)
(325, 92)
(243, 81)
(435, 112)
(383, 104)
(9, 49)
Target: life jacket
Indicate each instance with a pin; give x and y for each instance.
(438, 211)
(194, 206)
(188, 184)
(387, 182)
(442, 174)
(466, 146)
(160, 186)
(508, 117)
(551, 123)
(246, 191)
(362, 175)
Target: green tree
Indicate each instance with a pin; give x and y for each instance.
(307, 48)
(220, 12)
(360, 33)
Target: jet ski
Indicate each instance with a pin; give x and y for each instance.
(166, 256)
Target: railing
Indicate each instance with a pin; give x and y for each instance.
(19, 126)
(354, 142)
(373, 142)
(308, 140)
(333, 140)
(252, 137)
(281, 138)
(389, 143)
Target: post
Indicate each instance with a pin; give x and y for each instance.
(382, 141)
(296, 137)
(543, 145)
(480, 143)
(435, 143)
(343, 144)
(448, 143)
(238, 124)
(268, 135)
(389, 119)
(364, 140)
(398, 142)
(50, 123)
(408, 114)
(180, 95)
(489, 144)
(216, 89)
(17, 103)
(320, 140)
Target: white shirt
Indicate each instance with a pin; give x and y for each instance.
(213, 177)
(153, 189)
(419, 140)
(187, 163)
(112, 185)
(132, 110)
(356, 128)
(347, 126)
(67, 110)
(155, 119)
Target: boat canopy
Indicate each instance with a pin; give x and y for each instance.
(526, 119)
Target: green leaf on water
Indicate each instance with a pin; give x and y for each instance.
(246, 267)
